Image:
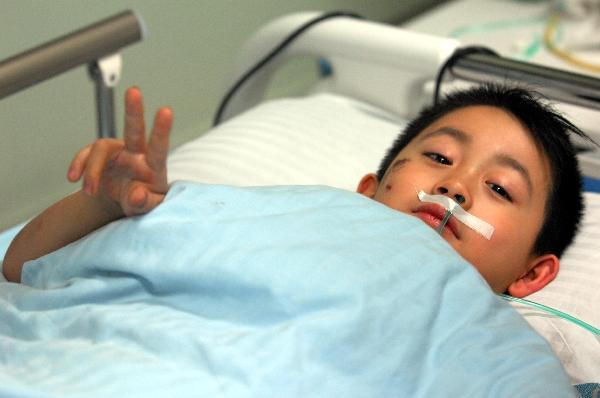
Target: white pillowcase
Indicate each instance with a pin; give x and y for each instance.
(575, 291)
(322, 139)
(334, 140)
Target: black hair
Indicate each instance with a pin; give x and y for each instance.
(549, 129)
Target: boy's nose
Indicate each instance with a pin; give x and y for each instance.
(457, 196)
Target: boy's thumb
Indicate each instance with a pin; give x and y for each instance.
(140, 200)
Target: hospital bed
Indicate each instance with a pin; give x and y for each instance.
(332, 136)
(291, 130)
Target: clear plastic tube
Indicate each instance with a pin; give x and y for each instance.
(552, 311)
(444, 221)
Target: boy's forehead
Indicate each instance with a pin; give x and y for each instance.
(458, 135)
(468, 123)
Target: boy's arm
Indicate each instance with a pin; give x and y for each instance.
(62, 223)
(120, 178)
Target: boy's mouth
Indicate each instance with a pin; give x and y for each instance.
(433, 214)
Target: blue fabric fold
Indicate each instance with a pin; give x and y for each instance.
(272, 291)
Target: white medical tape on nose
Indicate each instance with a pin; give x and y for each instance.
(461, 215)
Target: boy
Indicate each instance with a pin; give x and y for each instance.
(497, 151)
(508, 157)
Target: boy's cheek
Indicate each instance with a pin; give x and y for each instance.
(396, 198)
(507, 245)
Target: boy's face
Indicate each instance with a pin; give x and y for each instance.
(487, 156)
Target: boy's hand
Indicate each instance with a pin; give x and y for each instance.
(128, 176)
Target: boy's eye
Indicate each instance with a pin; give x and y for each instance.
(436, 157)
(500, 191)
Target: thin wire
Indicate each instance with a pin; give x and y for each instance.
(458, 53)
(552, 311)
(280, 47)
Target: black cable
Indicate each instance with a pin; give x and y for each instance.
(289, 39)
(458, 53)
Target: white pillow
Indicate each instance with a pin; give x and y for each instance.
(322, 139)
(334, 140)
(575, 291)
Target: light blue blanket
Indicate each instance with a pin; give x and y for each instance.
(265, 292)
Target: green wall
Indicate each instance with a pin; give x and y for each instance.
(182, 63)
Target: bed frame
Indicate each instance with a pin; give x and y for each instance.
(365, 64)
(395, 69)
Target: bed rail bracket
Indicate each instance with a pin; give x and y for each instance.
(105, 73)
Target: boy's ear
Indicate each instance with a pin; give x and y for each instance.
(368, 185)
(542, 270)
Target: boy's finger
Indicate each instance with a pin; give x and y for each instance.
(100, 152)
(158, 148)
(78, 164)
(140, 200)
(134, 121)
(153, 199)
(135, 167)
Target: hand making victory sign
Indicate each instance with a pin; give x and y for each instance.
(120, 178)
(129, 172)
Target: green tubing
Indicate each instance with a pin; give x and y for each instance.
(552, 311)
(532, 48)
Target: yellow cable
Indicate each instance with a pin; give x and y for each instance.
(566, 56)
